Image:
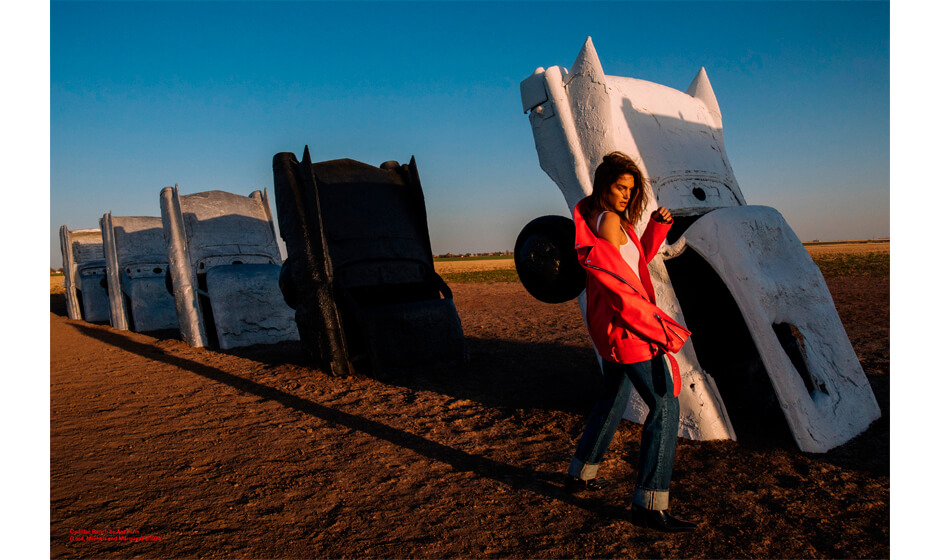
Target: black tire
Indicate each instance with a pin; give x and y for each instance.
(287, 286)
(546, 260)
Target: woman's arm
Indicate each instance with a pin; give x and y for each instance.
(655, 233)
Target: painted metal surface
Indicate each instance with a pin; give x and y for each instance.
(211, 237)
(676, 139)
(83, 265)
(137, 265)
(822, 391)
(360, 271)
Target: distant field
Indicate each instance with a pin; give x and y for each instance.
(854, 247)
(57, 284)
(492, 275)
(852, 258)
(834, 258)
(479, 258)
(467, 265)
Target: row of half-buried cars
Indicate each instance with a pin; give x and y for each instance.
(358, 287)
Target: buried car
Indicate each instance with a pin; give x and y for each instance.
(766, 339)
(83, 266)
(360, 271)
(135, 253)
(224, 265)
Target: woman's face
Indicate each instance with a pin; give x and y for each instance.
(618, 195)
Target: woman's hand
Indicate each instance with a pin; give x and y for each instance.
(662, 215)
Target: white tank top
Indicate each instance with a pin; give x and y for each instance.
(628, 251)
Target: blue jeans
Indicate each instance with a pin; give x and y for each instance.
(653, 382)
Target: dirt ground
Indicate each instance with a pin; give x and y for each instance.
(194, 453)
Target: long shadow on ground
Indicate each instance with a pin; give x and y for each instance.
(510, 376)
(516, 477)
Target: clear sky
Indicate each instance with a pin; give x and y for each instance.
(203, 94)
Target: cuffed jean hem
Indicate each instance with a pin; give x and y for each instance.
(579, 469)
(651, 499)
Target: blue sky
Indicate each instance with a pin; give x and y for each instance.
(145, 95)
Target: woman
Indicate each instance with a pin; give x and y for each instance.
(632, 336)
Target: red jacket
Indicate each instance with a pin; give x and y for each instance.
(624, 322)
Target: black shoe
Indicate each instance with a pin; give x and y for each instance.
(659, 520)
(574, 485)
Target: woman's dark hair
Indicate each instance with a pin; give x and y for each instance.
(614, 165)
